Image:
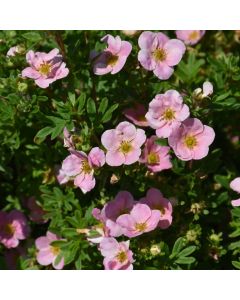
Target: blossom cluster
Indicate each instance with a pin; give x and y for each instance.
(125, 144)
(128, 217)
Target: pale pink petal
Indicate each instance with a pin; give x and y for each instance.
(119, 65)
(235, 184)
(141, 213)
(42, 243)
(115, 159)
(146, 40)
(127, 222)
(162, 39)
(114, 43)
(30, 73)
(206, 137)
(45, 257)
(126, 49)
(175, 50)
(146, 60)
(108, 247)
(140, 138)
(97, 157)
(207, 88)
(132, 156)
(126, 130)
(163, 71)
(85, 182)
(235, 202)
(200, 152)
(109, 139)
(152, 222)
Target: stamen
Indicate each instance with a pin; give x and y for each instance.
(125, 147)
(121, 256)
(153, 158)
(140, 226)
(190, 141)
(159, 54)
(169, 114)
(44, 69)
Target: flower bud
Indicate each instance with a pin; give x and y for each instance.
(155, 250)
(22, 87)
(191, 235)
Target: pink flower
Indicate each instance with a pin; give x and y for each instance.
(79, 167)
(137, 115)
(13, 227)
(166, 112)
(117, 256)
(45, 68)
(113, 58)
(141, 219)
(156, 157)
(123, 144)
(235, 185)
(121, 204)
(191, 140)
(155, 200)
(159, 54)
(47, 253)
(13, 51)
(36, 211)
(190, 37)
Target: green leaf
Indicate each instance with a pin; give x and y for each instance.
(57, 131)
(236, 264)
(185, 260)
(42, 134)
(108, 114)
(187, 251)
(91, 107)
(235, 233)
(32, 36)
(178, 245)
(72, 98)
(223, 180)
(234, 245)
(161, 142)
(78, 263)
(81, 102)
(103, 106)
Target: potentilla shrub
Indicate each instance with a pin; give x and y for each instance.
(119, 150)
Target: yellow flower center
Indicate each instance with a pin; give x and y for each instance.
(85, 167)
(112, 60)
(190, 141)
(152, 158)
(140, 226)
(125, 147)
(55, 250)
(194, 35)
(44, 69)
(121, 256)
(9, 229)
(169, 114)
(159, 54)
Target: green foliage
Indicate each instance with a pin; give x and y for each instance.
(205, 233)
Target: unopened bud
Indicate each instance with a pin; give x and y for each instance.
(155, 250)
